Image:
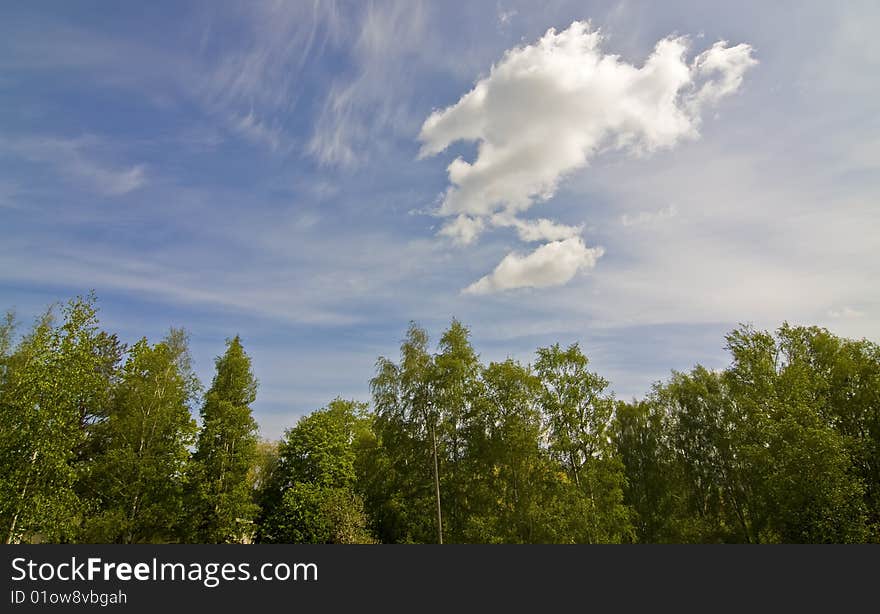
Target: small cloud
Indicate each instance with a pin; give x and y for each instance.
(647, 217)
(463, 230)
(116, 183)
(845, 313)
(8, 193)
(504, 17)
(537, 230)
(257, 131)
(553, 264)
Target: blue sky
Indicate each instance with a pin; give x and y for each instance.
(255, 169)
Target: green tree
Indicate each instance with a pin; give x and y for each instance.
(405, 497)
(843, 379)
(312, 498)
(800, 473)
(455, 390)
(578, 415)
(758, 455)
(512, 481)
(705, 432)
(142, 448)
(654, 487)
(51, 387)
(222, 494)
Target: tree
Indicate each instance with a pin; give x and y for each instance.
(142, 448)
(454, 400)
(805, 489)
(407, 426)
(578, 416)
(512, 482)
(843, 379)
(704, 434)
(221, 492)
(759, 458)
(654, 488)
(313, 497)
(52, 386)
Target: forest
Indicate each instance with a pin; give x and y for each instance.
(103, 442)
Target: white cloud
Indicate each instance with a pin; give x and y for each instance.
(357, 111)
(721, 69)
(552, 264)
(110, 181)
(252, 80)
(463, 229)
(537, 230)
(846, 312)
(8, 193)
(257, 131)
(504, 17)
(647, 217)
(71, 159)
(546, 109)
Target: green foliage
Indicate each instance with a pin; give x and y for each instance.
(754, 452)
(135, 478)
(312, 513)
(221, 494)
(53, 385)
(311, 497)
(98, 444)
(578, 416)
(655, 488)
(401, 475)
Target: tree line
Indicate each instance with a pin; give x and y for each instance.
(99, 444)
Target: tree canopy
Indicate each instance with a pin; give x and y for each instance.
(104, 442)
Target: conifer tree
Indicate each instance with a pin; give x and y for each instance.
(226, 452)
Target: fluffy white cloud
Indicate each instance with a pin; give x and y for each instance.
(537, 230)
(719, 72)
(463, 229)
(552, 264)
(546, 109)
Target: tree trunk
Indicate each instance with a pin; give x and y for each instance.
(10, 539)
(437, 486)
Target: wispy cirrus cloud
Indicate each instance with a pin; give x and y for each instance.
(75, 159)
(251, 82)
(257, 131)
(360, 108)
